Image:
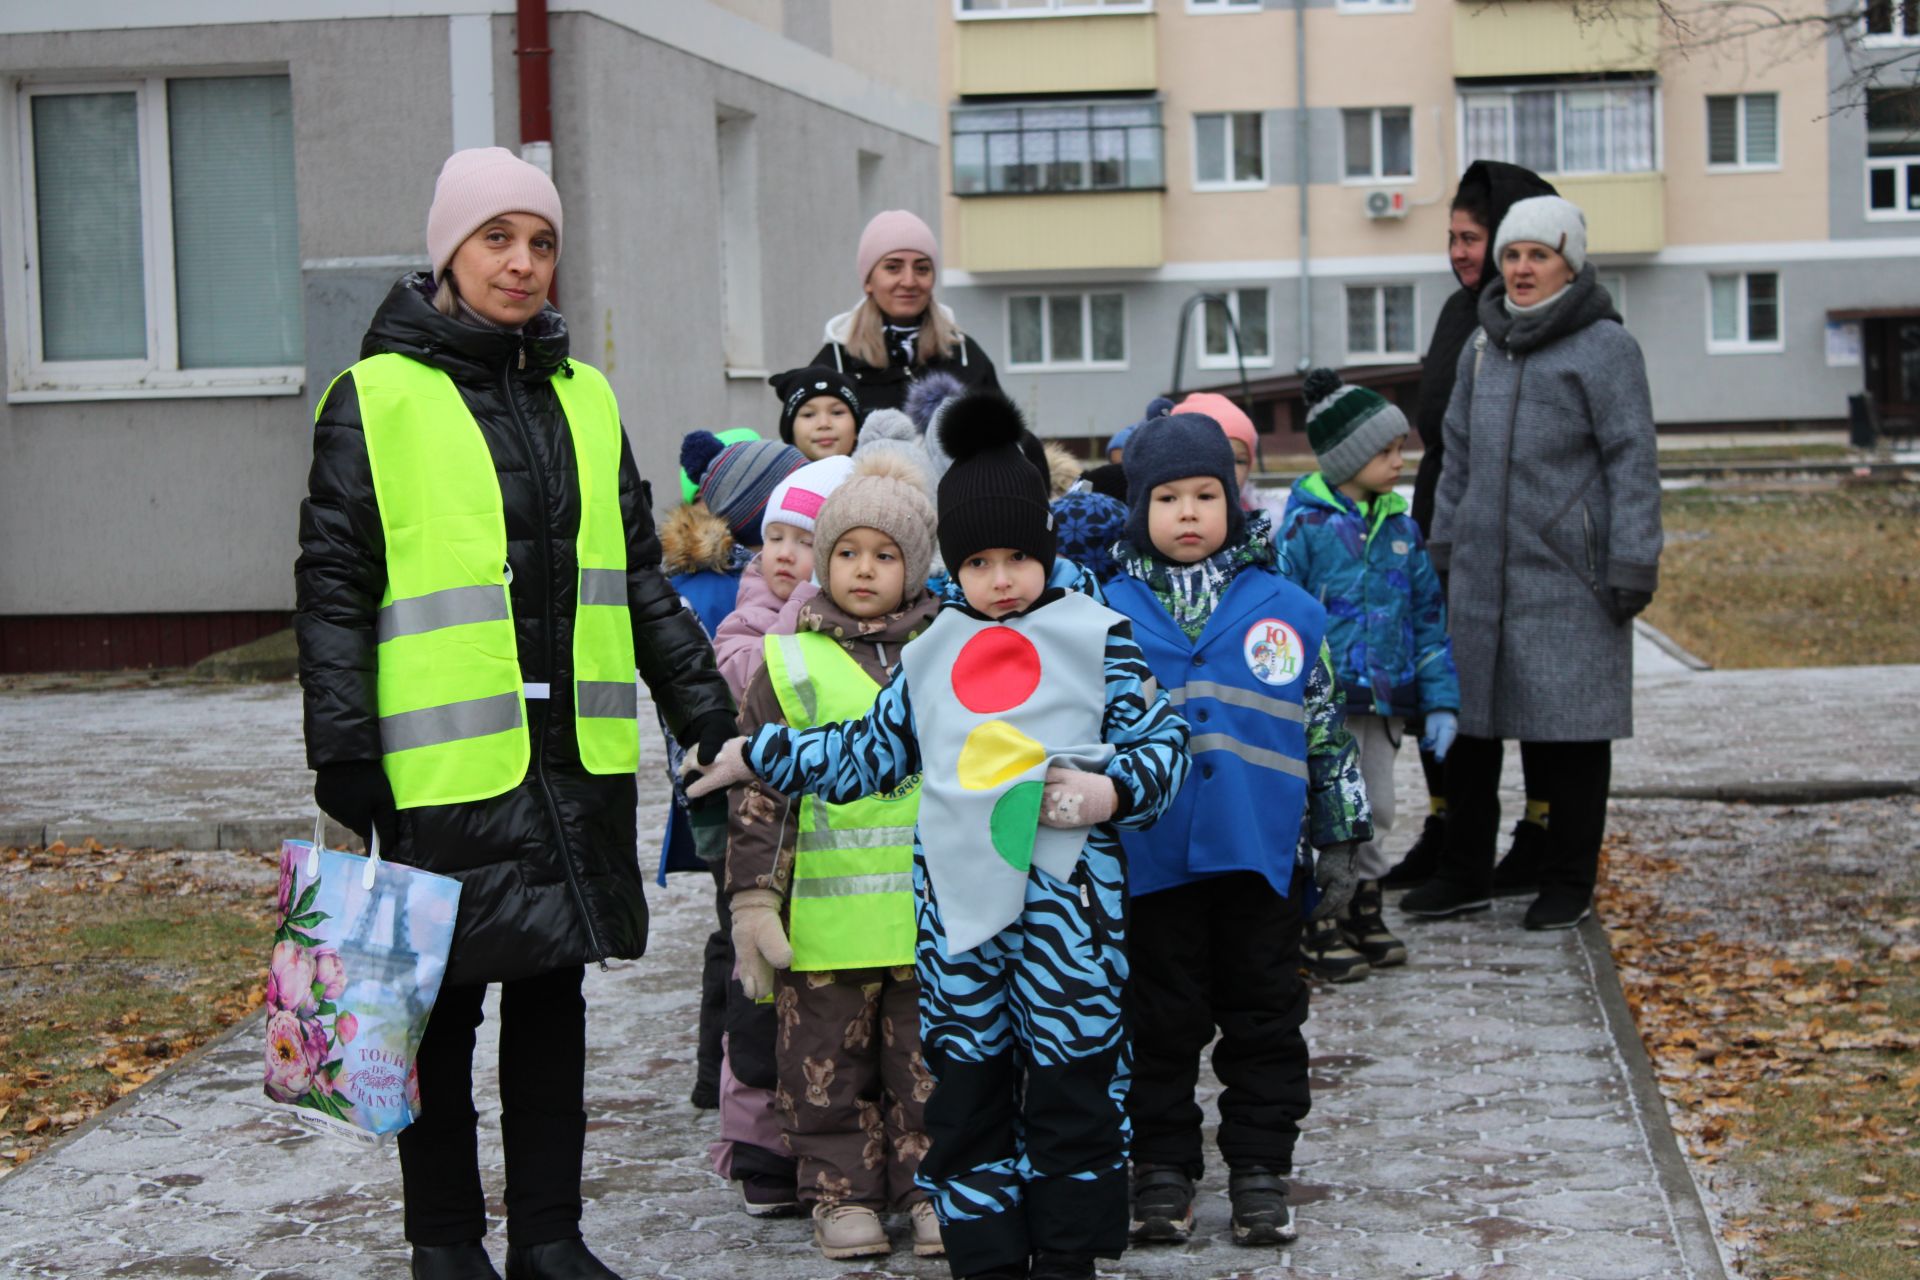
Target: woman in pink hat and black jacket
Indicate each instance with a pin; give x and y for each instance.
(468, 437)
(898, 332)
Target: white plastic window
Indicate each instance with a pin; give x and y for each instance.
(1744, 313)
(1062, 331)
(157, 247)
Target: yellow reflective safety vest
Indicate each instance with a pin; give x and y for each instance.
(453, 725)
(850, 905)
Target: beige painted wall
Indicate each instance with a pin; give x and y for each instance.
(1734, 208)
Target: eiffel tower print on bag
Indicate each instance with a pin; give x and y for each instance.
(1004, 700)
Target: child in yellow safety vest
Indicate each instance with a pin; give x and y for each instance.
(822, 894)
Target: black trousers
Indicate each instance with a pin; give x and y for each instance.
(716, 974)
(543, 1120)
(1572, 777)
(1531, 765)
(1219, 954)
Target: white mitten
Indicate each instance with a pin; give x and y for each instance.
(1075, 798)
(759, 943)
(728, 766)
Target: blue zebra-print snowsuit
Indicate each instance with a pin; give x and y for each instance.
(1024, 1033)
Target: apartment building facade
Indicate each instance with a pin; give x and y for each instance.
(1109, 165)
(202, 203)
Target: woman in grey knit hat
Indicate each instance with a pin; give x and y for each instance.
(1547, 522)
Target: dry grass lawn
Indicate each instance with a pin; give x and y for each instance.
(1801, 577)
(113, 964)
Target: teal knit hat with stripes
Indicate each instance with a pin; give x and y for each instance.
(1347, 425)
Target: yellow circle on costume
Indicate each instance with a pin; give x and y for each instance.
(995, 752)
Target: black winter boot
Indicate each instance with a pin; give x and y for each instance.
(1261, 1214)
(1365, 930)
(1519, 872)
(1162, 1204)
(1559, 906)
(452, 1262)
(1062, 1266)
(1439, 898)
(1420, 862)
(1325, 953)
(556, 1260)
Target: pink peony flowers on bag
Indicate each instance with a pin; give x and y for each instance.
(290, 977)
(330, 972)
(289, 1071)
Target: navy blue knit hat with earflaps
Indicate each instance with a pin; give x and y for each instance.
(1170, 446)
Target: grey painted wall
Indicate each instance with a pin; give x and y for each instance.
(187, 505)
(184, 505)
(1847, 158)
(646, 306)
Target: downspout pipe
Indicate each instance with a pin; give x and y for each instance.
(535, 57)
(1300, 152)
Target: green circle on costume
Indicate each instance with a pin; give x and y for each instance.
(1015, 824)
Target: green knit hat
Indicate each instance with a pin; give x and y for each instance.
(1347, 425)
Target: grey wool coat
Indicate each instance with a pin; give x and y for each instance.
(1549, 501)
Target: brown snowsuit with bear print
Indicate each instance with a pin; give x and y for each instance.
(853, 1085)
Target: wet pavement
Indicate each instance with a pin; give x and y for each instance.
(1473, 1116)
(1482, 1112)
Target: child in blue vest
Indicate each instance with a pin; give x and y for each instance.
(1029, 713)
(821, 896)
(1348, 541)
(1216, 924)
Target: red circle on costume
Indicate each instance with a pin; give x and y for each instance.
(996, 671)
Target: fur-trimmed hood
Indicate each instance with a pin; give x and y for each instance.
(693, 539)
(1063, 471)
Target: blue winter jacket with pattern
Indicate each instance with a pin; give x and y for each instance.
(1386, 615)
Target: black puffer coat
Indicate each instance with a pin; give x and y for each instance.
(1501, 186)
(886, 387)
(549, 870)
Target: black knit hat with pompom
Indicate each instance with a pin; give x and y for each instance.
(991, 496)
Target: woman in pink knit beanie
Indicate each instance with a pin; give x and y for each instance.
(898, 332)
(471, 475)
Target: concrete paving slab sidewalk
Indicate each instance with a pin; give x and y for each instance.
(1484, 1112)
(1474, 1117)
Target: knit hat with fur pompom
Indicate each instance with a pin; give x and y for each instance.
(888, 493)
(991, 494)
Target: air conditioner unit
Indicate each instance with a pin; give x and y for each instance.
(1386, 204)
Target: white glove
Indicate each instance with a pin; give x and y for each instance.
(728, 766)
(759, 943)
(1076, 798)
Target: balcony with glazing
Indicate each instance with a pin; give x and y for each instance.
(1058, 185)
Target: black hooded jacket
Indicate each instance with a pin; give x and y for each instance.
(1504, 185)
(550, 872)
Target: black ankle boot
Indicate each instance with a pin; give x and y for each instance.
(1422, 860)
(453, 1262)
(556, 1260)
(1519, 872)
